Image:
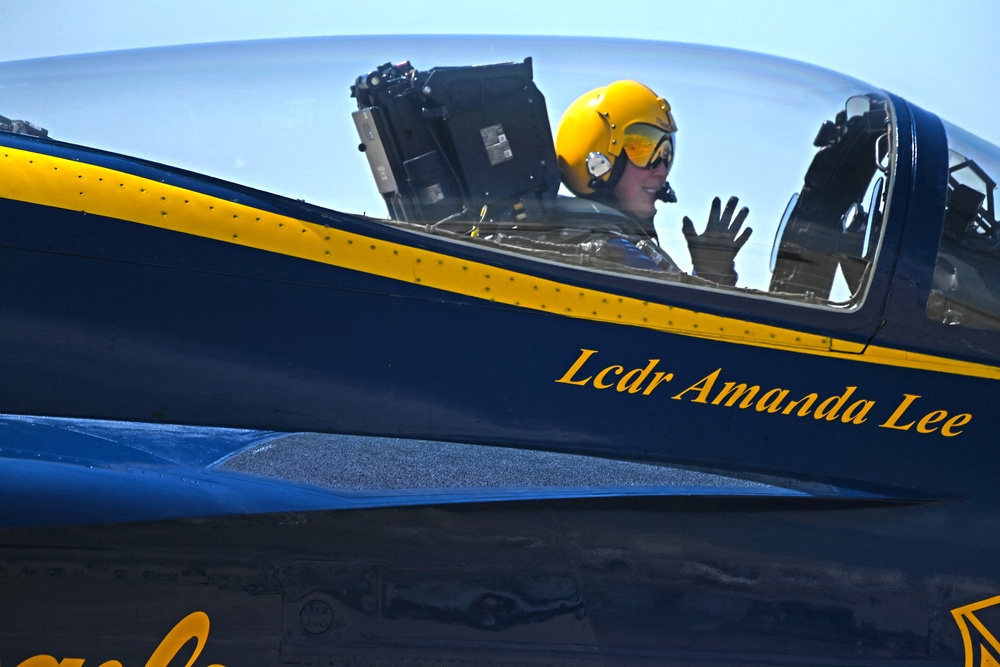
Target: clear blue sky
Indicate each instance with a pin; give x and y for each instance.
(941, 54)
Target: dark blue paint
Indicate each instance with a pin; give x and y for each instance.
(110, 443)
(885, 532)
(58, 471)
(110, 319)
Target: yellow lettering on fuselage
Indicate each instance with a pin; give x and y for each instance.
(193, 626)
(630, 382)
(928, 423)
(587, 372)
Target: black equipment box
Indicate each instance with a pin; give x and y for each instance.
(458, 141)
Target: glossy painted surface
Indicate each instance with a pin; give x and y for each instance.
(200, 331)
(592, 582)
(134, 291)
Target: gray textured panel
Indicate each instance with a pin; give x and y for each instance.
(360, 463)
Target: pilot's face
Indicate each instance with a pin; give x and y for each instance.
(636, 189)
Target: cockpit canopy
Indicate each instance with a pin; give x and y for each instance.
(810, 152)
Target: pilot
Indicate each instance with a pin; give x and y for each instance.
(615, 146)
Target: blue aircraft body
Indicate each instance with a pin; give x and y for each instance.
(305, 404)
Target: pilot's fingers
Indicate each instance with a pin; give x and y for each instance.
(737, 224)
(730, 207)
(744, 237)
(714, 220)
(687, 227)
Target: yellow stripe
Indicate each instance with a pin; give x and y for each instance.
(51, 181)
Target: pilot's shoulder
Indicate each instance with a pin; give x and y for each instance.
(581, 208)
(589, 216)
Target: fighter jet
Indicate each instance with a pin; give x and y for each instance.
(311, 353)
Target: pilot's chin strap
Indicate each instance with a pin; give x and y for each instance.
(604, 193)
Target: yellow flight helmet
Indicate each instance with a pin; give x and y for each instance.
(599, 125)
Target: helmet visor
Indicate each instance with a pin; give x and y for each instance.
(645, 145)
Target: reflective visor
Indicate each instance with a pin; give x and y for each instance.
(646, 145)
